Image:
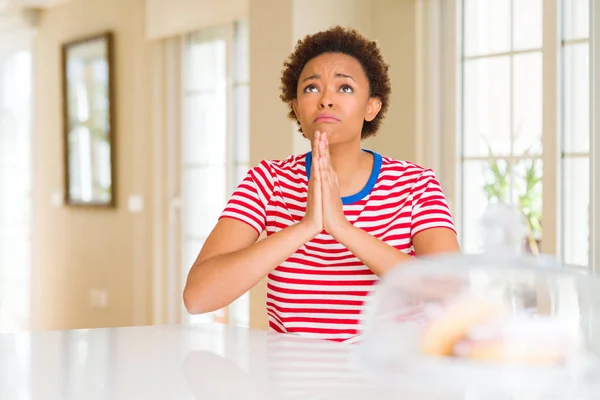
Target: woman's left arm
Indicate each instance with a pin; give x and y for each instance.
(372, 252)
(380, 257)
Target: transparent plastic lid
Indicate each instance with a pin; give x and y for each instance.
(499, 322)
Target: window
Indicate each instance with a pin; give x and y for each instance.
(15, 198)
(523, 113)
(501, 113)
(575, 138)
(215, 141)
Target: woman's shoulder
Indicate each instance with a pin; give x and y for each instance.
(404, 168)
(276, 167)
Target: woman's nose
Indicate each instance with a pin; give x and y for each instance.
(326, 102)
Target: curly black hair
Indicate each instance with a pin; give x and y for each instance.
(339, 40)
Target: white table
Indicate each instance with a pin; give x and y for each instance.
(172, 362)
(191, 362)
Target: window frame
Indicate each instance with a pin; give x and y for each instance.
(439, 76)
(174, 61)
(206, 35)
(595, 137)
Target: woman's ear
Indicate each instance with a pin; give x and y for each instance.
(373, 108)
(295, 107)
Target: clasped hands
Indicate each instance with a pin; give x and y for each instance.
(324, 209)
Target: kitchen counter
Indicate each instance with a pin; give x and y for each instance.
(192, 362)
(174, 362)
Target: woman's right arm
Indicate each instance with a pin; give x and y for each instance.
(231, 262)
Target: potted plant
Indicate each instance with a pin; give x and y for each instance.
(526, 193)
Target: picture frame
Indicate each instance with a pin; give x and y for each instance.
(89, 121)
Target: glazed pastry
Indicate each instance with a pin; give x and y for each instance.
(479, 330)
(454, 322)
(520, 339)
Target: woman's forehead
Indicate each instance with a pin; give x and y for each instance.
(328, 63)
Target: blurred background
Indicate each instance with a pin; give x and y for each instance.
(126, 124)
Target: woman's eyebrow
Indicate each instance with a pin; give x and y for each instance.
(311, 77)
(338, 75)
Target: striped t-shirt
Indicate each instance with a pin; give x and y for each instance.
(319, 291)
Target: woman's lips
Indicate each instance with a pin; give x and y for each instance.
(326, 118)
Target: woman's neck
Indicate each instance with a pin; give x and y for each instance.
(352, 165)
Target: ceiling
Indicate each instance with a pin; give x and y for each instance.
(8, 4)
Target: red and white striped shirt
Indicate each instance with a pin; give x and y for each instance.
(319, 291)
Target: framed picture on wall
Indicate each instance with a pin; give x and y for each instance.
(88, 121)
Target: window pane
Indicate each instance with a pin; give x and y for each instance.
(486, 107)
(241, 124)
(527, 24)
(241, 62)
(204, 199)
(576, 201)
(576, 19)
(204, 152)
(576, 98)
(206, 67)
(484, 182)
(486, 26)
(240, 172)
(527, 104)
(239, 311)
(527, 196)
(15, 190)
(205, 129)
(191, 249)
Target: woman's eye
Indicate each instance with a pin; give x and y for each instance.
(346, 89)
(310, 89)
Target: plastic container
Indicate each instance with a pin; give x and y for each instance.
(498, 323)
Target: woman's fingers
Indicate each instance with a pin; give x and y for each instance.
(325, 159)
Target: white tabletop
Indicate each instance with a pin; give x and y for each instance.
(170, 362)
(190, 362)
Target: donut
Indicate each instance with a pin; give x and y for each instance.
(454, 323)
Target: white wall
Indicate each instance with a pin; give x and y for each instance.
(166, 18)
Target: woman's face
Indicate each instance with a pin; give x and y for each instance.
(333, 97)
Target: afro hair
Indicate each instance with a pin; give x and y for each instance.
(345, 41)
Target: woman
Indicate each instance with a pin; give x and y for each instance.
(337, 217)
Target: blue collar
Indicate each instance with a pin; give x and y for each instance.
(365, 191)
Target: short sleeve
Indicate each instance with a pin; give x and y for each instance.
(429, 206)
(248, 203)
